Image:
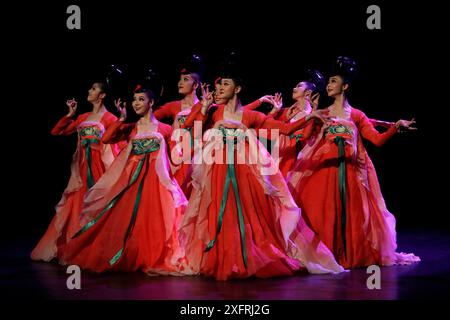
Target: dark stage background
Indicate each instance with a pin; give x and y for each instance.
(399, 67)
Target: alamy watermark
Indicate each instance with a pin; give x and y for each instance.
(374, 19)
(74, 19)
(374, 280)
(74, 280)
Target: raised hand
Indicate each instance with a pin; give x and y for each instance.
(72, 104)
(267, 98)
(314, 101)
(321, 115)
(277, 102)
(122, 109)
(405, 125)
(207, 97)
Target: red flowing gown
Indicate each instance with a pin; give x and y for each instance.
(342, 201)
(268, 212)
(181, 171)
(66, 220)
(291, 145)
(131, 215)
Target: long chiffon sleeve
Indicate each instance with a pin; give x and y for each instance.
(308, 131)
(195, 115)
(168, 110)
(368, 131)
(253, 105)
(260, 121)
(65, 126)
(281, 115)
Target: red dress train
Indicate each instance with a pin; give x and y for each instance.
(244, 218)
(335, 184)
(90, 161)
(131, 215)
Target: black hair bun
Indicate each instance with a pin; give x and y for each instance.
(346, 68)
(151, 83)
(231, 68)
(316, 78)
(346, 63)
(193, 64)
(116, 81)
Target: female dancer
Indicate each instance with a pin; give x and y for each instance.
(90, 161)
(290, 146)
(306, 93)
(335, 183)
(190, 77)
(130, 216)
(241, 220)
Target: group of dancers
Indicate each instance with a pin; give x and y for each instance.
(142, 196)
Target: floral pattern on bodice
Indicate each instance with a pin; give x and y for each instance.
(336, 129)
(92, 131)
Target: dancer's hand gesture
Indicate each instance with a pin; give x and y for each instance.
(314, 101)
(207, 97)
(122, 109)
(405, 125)
(267, 98)
(321, 115)
(72, 104)
(277, 103)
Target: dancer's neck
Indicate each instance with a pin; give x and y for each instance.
(302, 105)
(233, 105)
(148, 118)
(340, 103)
(98, 107)
(190, 99)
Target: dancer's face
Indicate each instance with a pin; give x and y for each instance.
(227, 89)
(141, 103)
(218, 100)
(186, 84)
(95, 93)
(300, 91)
(336, 86)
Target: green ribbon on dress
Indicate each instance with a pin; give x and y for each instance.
(231, 176)
(191, 136)
(86, 144)
(133, 214)
(113, 201)
(340, 142)
(297, 137)
(144, 146)
(181, 121)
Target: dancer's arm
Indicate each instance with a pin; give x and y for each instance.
(66, 125)
(199, 111)
(167, 110)
(119, 130)
(379, 123)
(286, 128)
(369, 132)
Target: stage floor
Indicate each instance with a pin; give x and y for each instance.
(22, 278)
